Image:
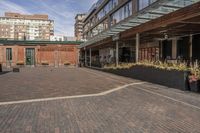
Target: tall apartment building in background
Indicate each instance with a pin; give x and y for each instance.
(79, 26)
(62, 38)
(16, 26)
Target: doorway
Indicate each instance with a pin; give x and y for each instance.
(9, 57)
(125, 54)
(196, 47)
(30, 56)
(167, 49)
(183, 48)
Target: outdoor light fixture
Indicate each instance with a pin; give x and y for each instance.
(166, 36)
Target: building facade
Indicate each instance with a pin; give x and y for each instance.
(133, 30)
(58, 38)
(62, 38)
(78, 27)
(38, 53)
(15, 26)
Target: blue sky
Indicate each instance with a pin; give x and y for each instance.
(62, 12)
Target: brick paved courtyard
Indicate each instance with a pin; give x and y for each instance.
(32, 83)
(44, 100)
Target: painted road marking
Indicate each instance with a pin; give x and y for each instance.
(70, 97)
(170, 98)
(187, 104)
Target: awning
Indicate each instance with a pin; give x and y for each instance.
(155, 10)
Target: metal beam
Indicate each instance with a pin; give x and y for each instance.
(113, 32)
(145, 18)
(187, 22)
(135, 20)
(157, 13)
(172, 6)
(137, 47)
(117, 54)
(127, 25)
(117, 30)
(121, 27)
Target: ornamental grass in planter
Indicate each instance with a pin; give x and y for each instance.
(151, 64)
(120, 66)
(174, 75)
(165, 65)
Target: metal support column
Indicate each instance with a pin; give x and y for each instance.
(85, 57)
(90, 57)
(174, 48)
(117, 53)
(137, 47)
(78, 58)
(191, 42)
(161, 50)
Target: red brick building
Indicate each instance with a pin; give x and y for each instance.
(34, 53)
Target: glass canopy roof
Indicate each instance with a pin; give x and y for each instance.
(153, 11)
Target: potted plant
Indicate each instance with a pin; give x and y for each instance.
(194, 80)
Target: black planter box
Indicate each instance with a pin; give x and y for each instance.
(1, 68)
(195, 86)
(169, 78)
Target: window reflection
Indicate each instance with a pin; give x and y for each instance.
(107, 8)
(122, 13)
(99, 28)
(145, 3)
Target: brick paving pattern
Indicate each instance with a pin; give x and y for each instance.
(33, 83)
(138, 108)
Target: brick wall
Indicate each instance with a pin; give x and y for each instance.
(53, 55)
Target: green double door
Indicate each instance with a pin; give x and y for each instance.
(30, 56)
